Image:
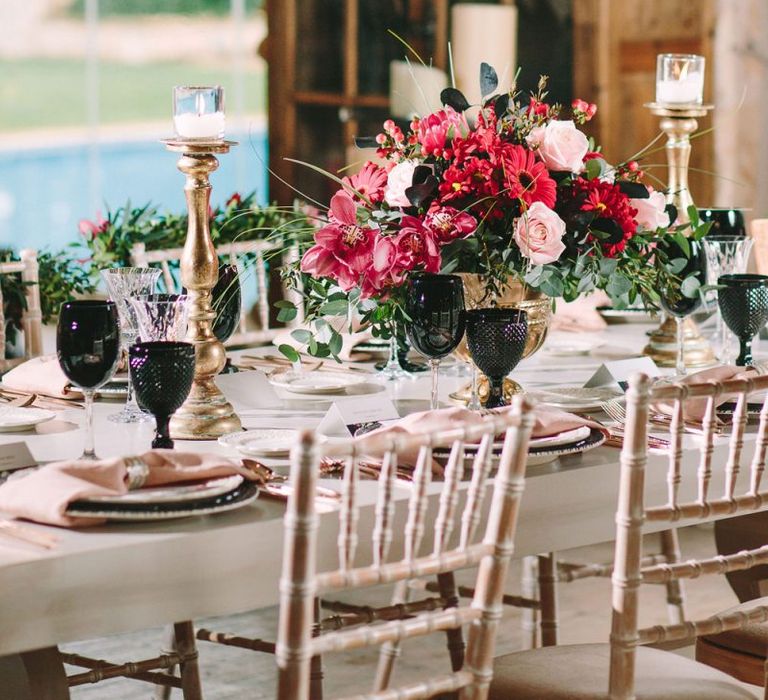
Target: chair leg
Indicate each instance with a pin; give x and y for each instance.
(446, 584)
(181, 639)
(548, 598)
(529, 621)
(316, 673)
(670, 548)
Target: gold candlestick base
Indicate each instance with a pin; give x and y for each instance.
(662, 348)
(206, 414)
(678, 122)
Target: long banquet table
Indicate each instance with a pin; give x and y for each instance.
(121, 577)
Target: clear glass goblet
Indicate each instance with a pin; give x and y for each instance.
(122, 284)
(161, 316)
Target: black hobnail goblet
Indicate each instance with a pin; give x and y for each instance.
(88, 348)
(496, 341)
(743, 301)
(435, 307)
(672, 299)
(726, 223)
(162, 374)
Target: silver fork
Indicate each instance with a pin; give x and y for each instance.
(616, 410)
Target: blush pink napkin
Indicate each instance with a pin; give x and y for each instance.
(44, 495)
(40, 375)
(581, 314)
(547, 422)
(695, 409)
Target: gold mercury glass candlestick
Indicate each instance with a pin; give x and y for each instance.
(206, 414)
(678, 122)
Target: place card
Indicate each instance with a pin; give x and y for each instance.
(249, 389)
(618, 372)
(345, 417)
(15, 455)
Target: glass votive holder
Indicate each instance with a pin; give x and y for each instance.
(679, 79)
(198, 112)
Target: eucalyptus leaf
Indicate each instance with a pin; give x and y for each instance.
(289, 352)
(286, 315)
(489, 81)
(366, 142)
(454, 98)
(595, 168)
(339, 307)
(301, 335)
(690, 287)
(634, 190)
(335, 343)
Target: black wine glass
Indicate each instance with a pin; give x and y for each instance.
(726, 223)
(496, 341)
(88, 348)
(435, 307)
(743, 301)
(672, 299)
(162, 374)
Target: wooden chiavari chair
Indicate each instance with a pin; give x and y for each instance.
(28, 270)
(262, 251)
(301, 584)
(626, 667)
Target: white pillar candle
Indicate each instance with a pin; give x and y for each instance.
(200, 126)
(679, 79)
(414, 89)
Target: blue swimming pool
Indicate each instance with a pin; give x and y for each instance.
(45, 192)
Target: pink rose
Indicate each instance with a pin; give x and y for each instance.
(399, 179)
(535, 137)
(562, 146)
(539, 233)
(651, 212)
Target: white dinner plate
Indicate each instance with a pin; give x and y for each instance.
(315, 382)
(13, 418)
(575, 398)
(639, 315)
(173, 493)
(569, 348)
(260, 442)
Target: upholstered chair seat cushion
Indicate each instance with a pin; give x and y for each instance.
(580, 672)
(750, 639)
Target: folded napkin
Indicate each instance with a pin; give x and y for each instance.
(694, 410)
(43, 495)
(348, 342)
(581, 314)
(547, 422)
(40, 375)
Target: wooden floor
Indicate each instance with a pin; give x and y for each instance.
(230, 674)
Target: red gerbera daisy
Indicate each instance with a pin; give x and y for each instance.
(369, 182)
(527, 178)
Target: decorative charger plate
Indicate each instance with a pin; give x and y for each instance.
(315, 382)
(638, 315)
(116, 388)
(172, 493)
(575, 398)
(238, 497)
(260, 442)
(14, 418)
(578, 441)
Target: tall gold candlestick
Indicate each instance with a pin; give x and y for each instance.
(678, 123)
(206, 414)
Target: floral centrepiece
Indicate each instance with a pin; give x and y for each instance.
(514, 191)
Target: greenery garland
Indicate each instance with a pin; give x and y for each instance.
(72, 272)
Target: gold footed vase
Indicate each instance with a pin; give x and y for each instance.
(515, 295)
(662, 346)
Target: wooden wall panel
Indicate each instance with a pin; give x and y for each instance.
(615, 48)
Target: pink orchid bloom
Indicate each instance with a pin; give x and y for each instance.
(343, 249)
(448, 224)
(91, 229)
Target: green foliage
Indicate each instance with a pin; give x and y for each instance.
(61, 279)
(110, 8)
(110, 241)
